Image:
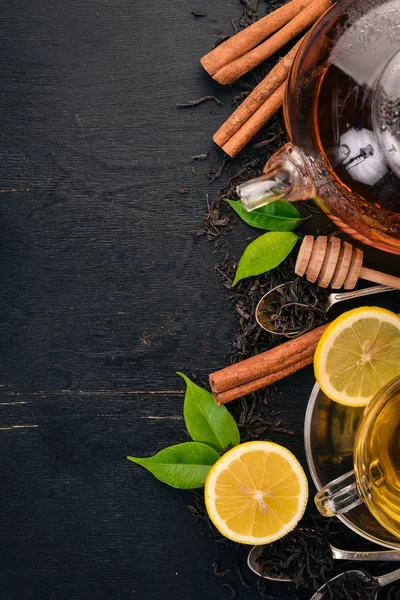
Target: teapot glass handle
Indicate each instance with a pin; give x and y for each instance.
(339, 496)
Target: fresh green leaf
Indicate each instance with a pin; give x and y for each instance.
(265, 253)
(206, 421)
(279, 215)
(184, 466)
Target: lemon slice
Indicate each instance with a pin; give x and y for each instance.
(358, 354)
(256, 493)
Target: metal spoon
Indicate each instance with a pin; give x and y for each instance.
(381, 581)
(386, 555)
(265, 322)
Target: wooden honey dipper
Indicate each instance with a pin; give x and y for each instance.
(336, 263)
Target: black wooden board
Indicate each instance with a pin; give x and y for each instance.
(106, 290)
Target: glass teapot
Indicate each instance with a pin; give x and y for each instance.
(342, 114)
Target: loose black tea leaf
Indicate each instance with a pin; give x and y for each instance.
(351, 586)
(394, 593)
(203, 156)
(239, 98)
(220, 572)
(249, 15)
(238, 572)
(217, 221)
(220, 40)
(198, 101)
(213, 176)
(262, 588)
(245, 85)
(267, 141)
(303, 555)
(232, 589)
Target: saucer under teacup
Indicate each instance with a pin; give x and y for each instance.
(329, 433)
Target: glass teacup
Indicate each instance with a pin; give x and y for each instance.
(376, 476)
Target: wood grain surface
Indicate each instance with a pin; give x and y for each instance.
(106, 290)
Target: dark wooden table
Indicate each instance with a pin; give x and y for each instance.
(107, 291)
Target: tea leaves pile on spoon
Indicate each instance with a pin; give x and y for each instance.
(291, 309)
(353, 585)
(303, 556)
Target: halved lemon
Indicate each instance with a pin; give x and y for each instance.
(256, 493)
(358, 354)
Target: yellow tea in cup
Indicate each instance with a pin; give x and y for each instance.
(377, 458)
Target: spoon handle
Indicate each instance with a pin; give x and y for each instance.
(375, 289)
(388, 578)
(386, 555)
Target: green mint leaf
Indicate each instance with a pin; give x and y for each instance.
(279, 215)
(206, 421)
(184, 466)
(265, 253)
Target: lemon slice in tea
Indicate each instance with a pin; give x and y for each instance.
(358, 354)
(256, 493)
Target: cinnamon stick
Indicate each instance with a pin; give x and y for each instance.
(249, 38)
(232, 71)
(255, 122)
(257, 97)
(251, 386)
(265, 368)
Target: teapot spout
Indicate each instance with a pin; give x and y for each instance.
(286, 177)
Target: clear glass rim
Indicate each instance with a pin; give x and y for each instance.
(318, 484)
